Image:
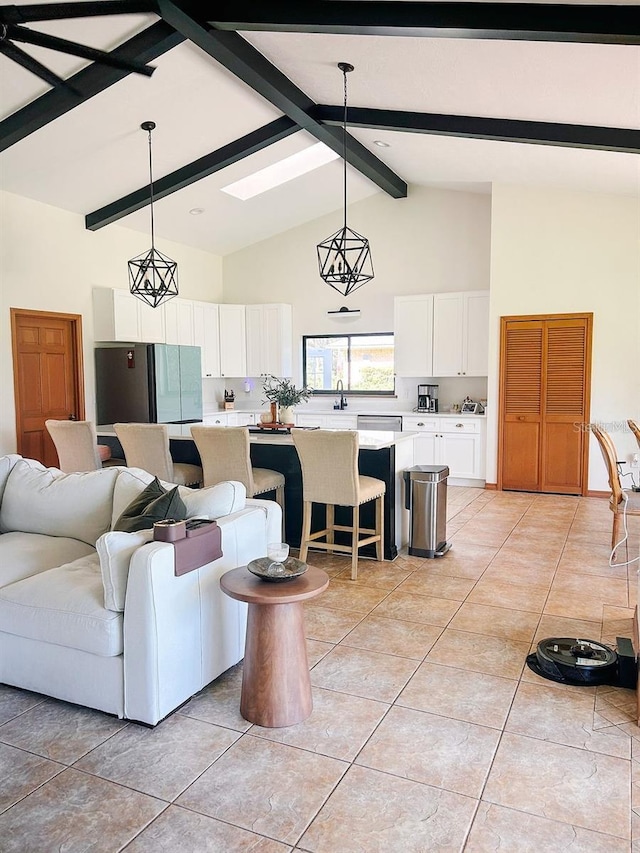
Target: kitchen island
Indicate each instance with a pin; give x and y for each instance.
(383, 455)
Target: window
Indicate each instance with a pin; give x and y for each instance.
(364, 363)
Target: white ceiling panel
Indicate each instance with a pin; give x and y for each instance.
(542, 81)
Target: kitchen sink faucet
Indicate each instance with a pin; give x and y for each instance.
(343, 399)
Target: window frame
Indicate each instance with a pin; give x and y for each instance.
(322, 392)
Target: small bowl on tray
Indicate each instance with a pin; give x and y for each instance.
(268, 570)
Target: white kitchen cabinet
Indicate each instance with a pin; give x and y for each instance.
(233, 347)
(178, 321)
(220, 419)
(116, 315)
(413, 335)
(461, 333)
(206, 335)
(151, 323)
(455, 442)
(269, 339)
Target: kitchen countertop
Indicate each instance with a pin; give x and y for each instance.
(369, 439)
(304, 410)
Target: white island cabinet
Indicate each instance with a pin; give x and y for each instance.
(456, 441)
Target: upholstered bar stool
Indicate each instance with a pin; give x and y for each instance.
(329, 462)
(224, 453)
(146, 446)
(77, 446)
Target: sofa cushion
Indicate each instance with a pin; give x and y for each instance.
(63, 606)
(214, 502)
(154, 503)
(44, 500)
(6, 464)
(26, 554)
(115, 550)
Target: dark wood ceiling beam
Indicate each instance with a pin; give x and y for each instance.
(143, 47)
(477, 127)
(200, 168)
(601, 24)
(250, 66)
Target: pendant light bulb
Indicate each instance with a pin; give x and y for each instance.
(344, 258)
(153, 277)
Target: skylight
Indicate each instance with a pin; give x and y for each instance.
(281, 172)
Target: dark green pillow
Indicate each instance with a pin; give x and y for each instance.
(153, 504)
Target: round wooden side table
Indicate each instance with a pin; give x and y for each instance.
(276, 687)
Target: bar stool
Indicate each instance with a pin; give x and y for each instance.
(146, 446)
(329, 462)
(224, 453)
(77, 446)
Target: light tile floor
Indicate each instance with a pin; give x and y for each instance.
(429, 733)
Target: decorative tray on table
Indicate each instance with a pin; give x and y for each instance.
(274, 426)
(287, 571)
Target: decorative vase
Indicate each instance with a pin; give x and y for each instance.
(286, 414)
(266, 418)
(274, 413)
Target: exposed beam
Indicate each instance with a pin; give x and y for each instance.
(201, 168)
(601, 24)
(476, 127)
(143, 47)
(250, 66)
(35, 12)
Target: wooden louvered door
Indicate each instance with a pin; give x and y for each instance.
(544, 403)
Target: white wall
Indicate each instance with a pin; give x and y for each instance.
(431, 241)
(560, 252)
(50, 262)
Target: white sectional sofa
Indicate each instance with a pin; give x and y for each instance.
(99, 618)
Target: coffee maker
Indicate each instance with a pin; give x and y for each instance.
(427, 398)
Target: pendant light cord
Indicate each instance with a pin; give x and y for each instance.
(344, 146)
(151, 194)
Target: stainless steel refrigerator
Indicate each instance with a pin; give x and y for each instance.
(148, 383)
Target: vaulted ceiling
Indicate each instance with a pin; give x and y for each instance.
(463, 94)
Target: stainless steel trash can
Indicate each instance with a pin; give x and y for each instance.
(425, 496)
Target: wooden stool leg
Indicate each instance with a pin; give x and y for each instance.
(329, 522)
(306, 530)
(380, 527)
(280, 501)
(354, 543)
(615, 535)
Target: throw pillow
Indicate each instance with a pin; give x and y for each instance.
(215, 501)
(153, 504)
(115, 550)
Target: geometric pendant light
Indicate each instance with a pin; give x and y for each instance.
(344, 258)
(153, 277)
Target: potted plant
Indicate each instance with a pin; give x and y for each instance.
(285, 395)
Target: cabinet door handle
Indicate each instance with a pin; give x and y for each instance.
(420, 424)
(521, 417)
(460, 426)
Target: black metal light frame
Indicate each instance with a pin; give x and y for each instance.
(344, 258)
(153, 277)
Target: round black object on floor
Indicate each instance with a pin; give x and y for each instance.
(572, 661)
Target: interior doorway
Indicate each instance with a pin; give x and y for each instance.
(47, 377)
(545, 382)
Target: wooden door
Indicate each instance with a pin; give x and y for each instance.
(545, 376)
(47, 374)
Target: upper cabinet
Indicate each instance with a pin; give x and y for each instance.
(116, 315)
(461, 333)
(206, 335)
(413, 335)
(269, 340)
(442, 334)
(235, 340)
(178, 322)
(233, 337)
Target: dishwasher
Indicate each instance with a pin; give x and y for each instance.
(386, 423)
